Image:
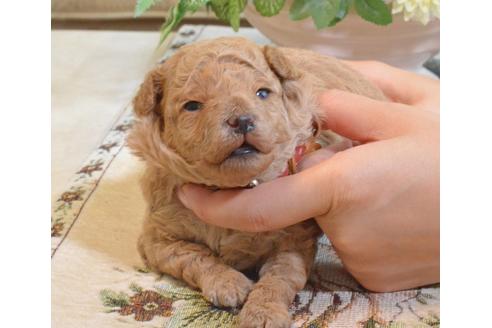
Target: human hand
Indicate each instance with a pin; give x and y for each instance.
(401, 86)
(378, 202)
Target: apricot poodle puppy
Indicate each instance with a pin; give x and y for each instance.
(223, 113)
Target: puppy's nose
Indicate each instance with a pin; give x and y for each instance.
(242, 123)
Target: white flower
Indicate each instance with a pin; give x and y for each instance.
(417, 10)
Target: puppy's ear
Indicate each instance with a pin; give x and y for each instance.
(287, 74)
(295, 95)
(150, 94)
(280, 65)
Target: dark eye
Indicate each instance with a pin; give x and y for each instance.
(263, 93)
(192, 106)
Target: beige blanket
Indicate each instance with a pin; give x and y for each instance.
(98, 279)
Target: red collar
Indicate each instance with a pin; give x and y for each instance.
(299, 153)
(292, 163)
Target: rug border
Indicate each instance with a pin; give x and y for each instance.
(69, 204)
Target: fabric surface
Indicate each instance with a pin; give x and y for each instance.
(98, 279)
(94, 76)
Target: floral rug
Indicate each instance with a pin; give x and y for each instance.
(98, 279)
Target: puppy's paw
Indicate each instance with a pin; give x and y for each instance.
(229, 288)
(266, 315)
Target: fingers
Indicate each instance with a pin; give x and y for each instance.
(363, 119)
(398, 85)
(272, 205)
(323, 154)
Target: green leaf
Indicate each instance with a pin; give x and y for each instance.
(193, 5)
(236, 7)
(135, 288)
(324, 12)
(177, 13)
(371, 323)
(220, 9)
(144, 5)
(111, 298)
(269, 8)
(375, 11)
(299, 10)
(229, 11)
(343, 10)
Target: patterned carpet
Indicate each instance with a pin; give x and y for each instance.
(98, 279)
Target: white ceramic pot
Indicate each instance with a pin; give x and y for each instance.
(404, 44)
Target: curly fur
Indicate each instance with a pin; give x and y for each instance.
(181, 147)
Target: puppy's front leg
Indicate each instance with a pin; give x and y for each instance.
(199, 267)
(281, 277)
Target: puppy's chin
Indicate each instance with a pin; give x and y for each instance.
(238, 169)
(237, 163)
(242, 166)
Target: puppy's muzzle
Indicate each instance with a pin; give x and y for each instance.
(242, 124)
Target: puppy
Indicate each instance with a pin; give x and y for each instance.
(223, 113)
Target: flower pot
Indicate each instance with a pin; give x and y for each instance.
(403, 44)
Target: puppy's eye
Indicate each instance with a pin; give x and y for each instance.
(263, 93)
(192, 106)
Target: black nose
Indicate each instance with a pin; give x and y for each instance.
(242, 123)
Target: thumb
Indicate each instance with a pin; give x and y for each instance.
(363, 119)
